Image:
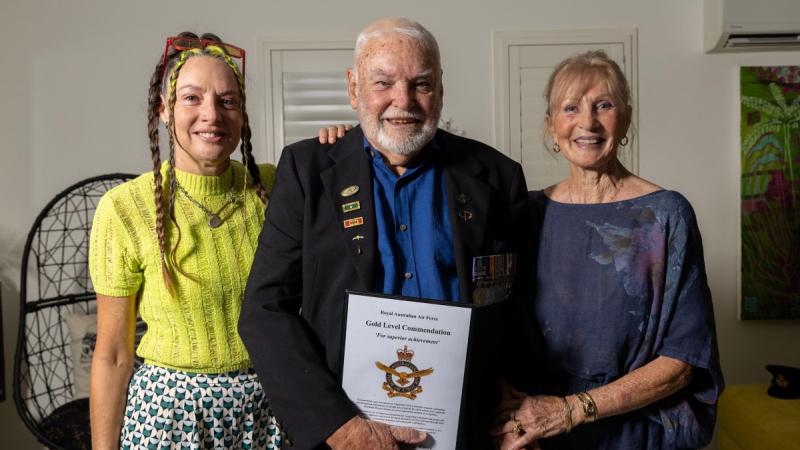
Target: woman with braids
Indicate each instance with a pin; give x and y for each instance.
(175, 245)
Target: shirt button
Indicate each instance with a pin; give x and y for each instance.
(403, 227)
(408, 275)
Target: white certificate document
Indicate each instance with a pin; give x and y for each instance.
(404, 362)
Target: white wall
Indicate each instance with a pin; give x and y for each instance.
(74, 81)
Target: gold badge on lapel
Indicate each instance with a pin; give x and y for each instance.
(352, 206)
(349, 191)
(354, 222)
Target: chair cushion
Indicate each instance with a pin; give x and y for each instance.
(83, 334)
(68, 425)
(750, 419)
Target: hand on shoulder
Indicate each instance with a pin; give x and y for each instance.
(329, 135)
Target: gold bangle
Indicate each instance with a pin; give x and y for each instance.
(567, 414)
(589, 406)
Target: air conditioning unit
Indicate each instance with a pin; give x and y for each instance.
(751, 25)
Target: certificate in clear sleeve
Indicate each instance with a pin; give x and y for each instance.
(405, 362)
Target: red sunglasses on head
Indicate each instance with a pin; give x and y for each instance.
(186, 43)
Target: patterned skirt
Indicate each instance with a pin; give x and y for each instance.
(172, 409)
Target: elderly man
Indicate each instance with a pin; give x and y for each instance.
(396, 206)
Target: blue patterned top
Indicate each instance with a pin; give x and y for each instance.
(619, 284)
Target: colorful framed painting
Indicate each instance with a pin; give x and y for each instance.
(770, 192)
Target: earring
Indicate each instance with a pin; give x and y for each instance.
(624, 141)
(556, 147)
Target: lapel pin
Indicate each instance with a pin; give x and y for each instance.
(358, 237)
(349, 191)
(465, 215)
(352, 206)
(354, 222)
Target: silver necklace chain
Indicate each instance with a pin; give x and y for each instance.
(214, 219)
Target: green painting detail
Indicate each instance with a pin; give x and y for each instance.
(770, 192)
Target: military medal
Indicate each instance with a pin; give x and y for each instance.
(354, 222)
(352, 206)
(349, 191)
(493, 276)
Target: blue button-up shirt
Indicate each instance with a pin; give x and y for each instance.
(415, 241)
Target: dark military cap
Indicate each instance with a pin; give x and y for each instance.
(785, 382)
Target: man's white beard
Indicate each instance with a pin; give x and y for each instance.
(407, 145)
(410, 144)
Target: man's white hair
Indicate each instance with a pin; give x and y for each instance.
(395, 25)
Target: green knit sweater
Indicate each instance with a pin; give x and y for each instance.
(196, 330)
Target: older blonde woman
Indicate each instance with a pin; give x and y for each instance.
(621, 299)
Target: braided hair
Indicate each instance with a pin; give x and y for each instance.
(165, 76)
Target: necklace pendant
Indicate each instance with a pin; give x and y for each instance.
(214, 221)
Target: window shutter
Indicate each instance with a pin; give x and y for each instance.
(523, 63)
(312, 100)
(305, 86)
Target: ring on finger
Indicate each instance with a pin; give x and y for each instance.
(518, 428)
